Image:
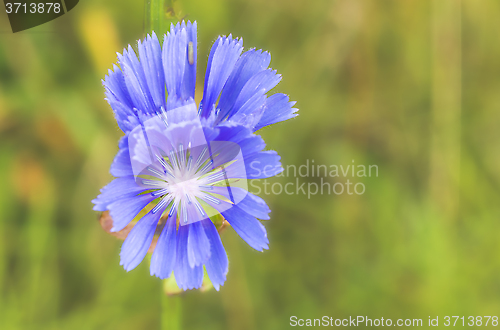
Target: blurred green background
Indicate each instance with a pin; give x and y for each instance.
(410, 86)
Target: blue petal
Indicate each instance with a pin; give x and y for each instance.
(233, 139)
(135, 80)
(277, 108)
(121, 165)
(136, 245)
(198, 246)
(189, 85)
(262, 82)
(119, 99)
(221, 61)
(181, 111)
(264, 164)
(234, 194)
(163, 259)
(125, 117)
(180, 74)
(250, 113)
(255, 206)
(232, 132)
(124, 210)
(150, 56)
(123, 142)
(250, 63)
(116, 89)
(248, 142)
(118, 188)
(185, 276)
(217, 265)
(249, 228)
(259, 164)
(252, 98)
(251, 145)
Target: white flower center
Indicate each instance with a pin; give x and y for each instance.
(183, 184)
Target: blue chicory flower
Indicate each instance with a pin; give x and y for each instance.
(181, 164)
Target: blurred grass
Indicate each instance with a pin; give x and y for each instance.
(409, 86)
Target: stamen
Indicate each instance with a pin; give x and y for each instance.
(184, 212)
(207, 166)
(216, 176)
(159, 114)
(211, 199)
(160, 192)
(162, 162)
(153, 183)
(172, 209)
(190, 160)
(155, 171)
(181, 154)
(164, 201)
(200, 209)
(199, 162)
(173, 159)
(164, 116)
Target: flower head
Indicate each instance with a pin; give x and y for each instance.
(179, 164)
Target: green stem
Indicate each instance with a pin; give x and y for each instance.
(171, 312)
(153, 15)
(158, 14)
